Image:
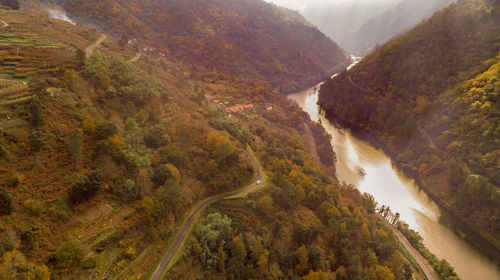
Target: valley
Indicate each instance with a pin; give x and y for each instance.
(177, 139)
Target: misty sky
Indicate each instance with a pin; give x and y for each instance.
(301, 5)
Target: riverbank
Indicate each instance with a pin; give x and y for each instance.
(478, 239)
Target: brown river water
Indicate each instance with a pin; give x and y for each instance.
(391, 187)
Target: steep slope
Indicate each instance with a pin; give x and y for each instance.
(102, 159)
(389, 24)
(238, 37)
(431, 98)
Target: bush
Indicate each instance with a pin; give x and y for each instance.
(6, 206)
(105, 130)
(27, 240)
(35, 109)
(36, 142)
(3, 151)
(155, 137)
(86, 187)
(67, 256)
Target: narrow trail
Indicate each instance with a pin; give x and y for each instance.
(312, 144)
(181, 235)
(135, 58)
(421, 261)
(91, 48)
(4, 23)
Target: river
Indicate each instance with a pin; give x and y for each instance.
(391, 187)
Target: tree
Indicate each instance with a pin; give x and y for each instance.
(105, 130)
(28, 240)
(80, 56)
(89, 125)
(85, 187)
(221, 260)
(6, 206)
(236, 264)
(265, 205)
(155, 137)
(74, 143)
(36, 142)
(35, 109)
(67, 256)
(214, 234)
(303, 259)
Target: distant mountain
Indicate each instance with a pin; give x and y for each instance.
(390, 23)
(239, 37)
(359, 25)
(431, 97)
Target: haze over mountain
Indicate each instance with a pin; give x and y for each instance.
(359, 25)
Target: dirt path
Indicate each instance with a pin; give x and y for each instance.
(91, 48)
(157, 275)
(421, 261)
(4, 24)
(312, 144)
(135, 58)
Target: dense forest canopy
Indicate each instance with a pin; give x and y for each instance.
(244, 37)
(431, 97)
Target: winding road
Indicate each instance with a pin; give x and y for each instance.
(4, 24)
(91, 48)
(157, 274)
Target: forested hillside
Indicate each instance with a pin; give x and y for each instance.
(431, 98)
(245, 38)
(102, 158)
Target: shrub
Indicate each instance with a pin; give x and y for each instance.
(67, 256)
(35, 109)
(27, 240)
(36, 141)
(105, 130)
(86, 187)
(155, 137)
(3, 151)
(89, 125)
(6, 206)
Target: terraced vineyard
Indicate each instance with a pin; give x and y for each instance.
(14, 92)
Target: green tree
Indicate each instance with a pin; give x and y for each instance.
(6, 206)
(85, 187)
(67, 256)
(214, 234)
(105, 130)
(236, 264)
(27, 240)
(155, 137)
(80, 56)
(265, 205)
